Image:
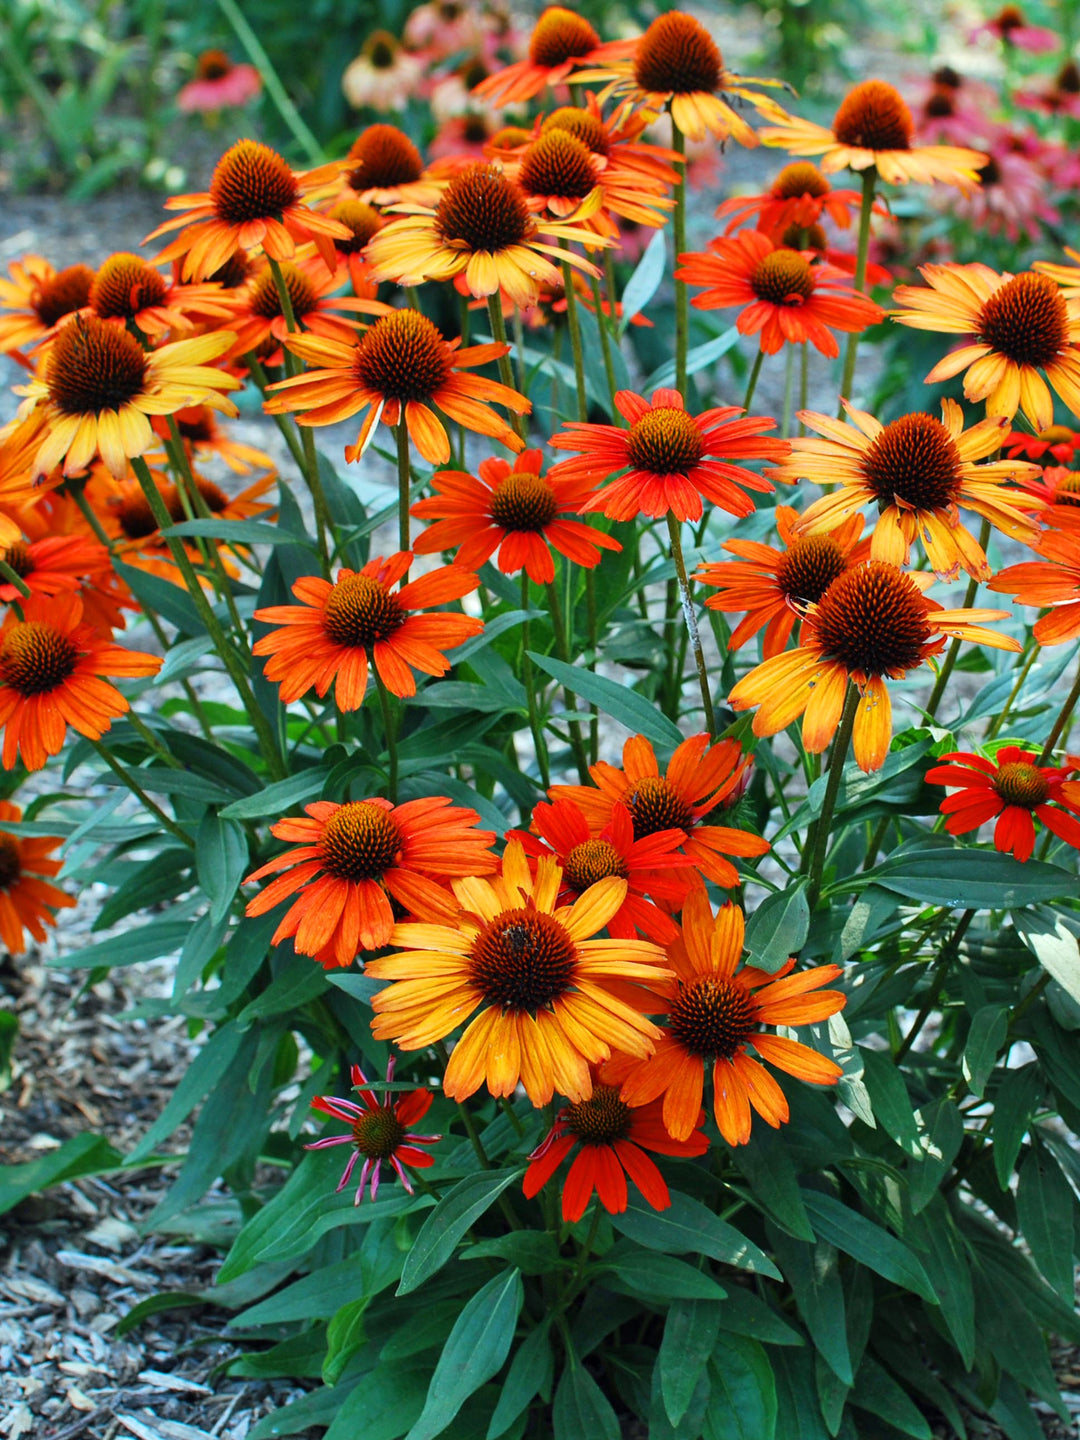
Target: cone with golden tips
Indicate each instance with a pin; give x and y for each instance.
(131, 291)
(384, 167)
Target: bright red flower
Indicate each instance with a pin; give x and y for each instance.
(1013, 789)
(26, 897)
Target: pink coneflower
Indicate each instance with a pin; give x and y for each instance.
(949, 109)
(1012, 199)
(463, 136)
(219, 84)
(1060, 97)
(1010, 26)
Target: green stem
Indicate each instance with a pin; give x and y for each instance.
(804, 383)
(539, 743)
(506, 370)
(390, 730)
(511, 1114)
(175, 449)
(682, 293)
(945, 958)
(136, 789)
(1024, 672)
(690, 616)
(562, 644)
(593, 637)
(835, 773)
(1062, 721)
(869, 180)
(12, 577)
(141, 728)
(286, 427)
(574, 323)
(954, 649)
(605, 345)
(789, 391)
(274, 88)
(751, 384)
(404, 481)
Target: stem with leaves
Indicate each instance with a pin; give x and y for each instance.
(835, 773)
(866, 209)
(690, 616)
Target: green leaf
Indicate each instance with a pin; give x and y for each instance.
(146, 942)
(278, 798)
(313, 1297)
(163, 780)
(934, 1236)
(989, 1028)
(161, 878)
(657, 1277)
(687, 1226)
(205, 1071)
(644, 283)
(84, 1154)
(237, 532)
(581, 1410)
(459, 1209)
(170, 601)
(474, 1353)
(778, 927)
(221, 853)
(866, 1242)
(345, 1334)
(967, 879)
(890, 1101)
(299, 982)
(941, 1133)
(640, 716)
(1015, 1103)
(742, 1404)
(386, 1402)
(744, 1313)
(1054, 946)
(698, 358)
(530, 1372)
(534, 1252)
(871, 909)
(813, 1272)
(876, 1391)
(768, 1167)
(799, 1414)
(316, 1408)
(157, 1305)
(1044, 1207)
(892, 784)
(690, 1334)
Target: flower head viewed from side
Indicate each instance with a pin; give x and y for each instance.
(1051, 582)
(783, 296)
(1012, 789)
(872, 624)
(701, 778)
(874, 127)
(552, 999)
(379, 1130)
(717, 1007)
(398, 370)
(27, 899)
(799, 196)
(672, 460)
(353, 862)
(1019, 325)
(130, 290)
(36, 297)
(515, 510)
(52, 669)
(218, 84)
(329, 640)
(918, 471)
(611, 1138)
(561, 39)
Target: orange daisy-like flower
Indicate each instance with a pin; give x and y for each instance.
(20, 490)
(354, 861)
(330, 638)
(1020, 324)
(1013, 789)
(1055, 445)
(362, 222)
(1057, 487)
(131, 290)
(37, 297)
(611, 1139)
(717, 1007)
(559, 173)
(397, 370)
(259, 321)
(677, 64)
(51, 669)
(918, 471)
(561, 39)
(27, 900)
(614, 141)
(483, 230)
(254, 203)
(1052, 582)
(873, 126)
(650, 865)
(513, 509)
(378, 1130)
(784, 297)
(774, 586)
(797, 197)
(384, 167)
(671, 458)
(64, 555)
(54, 565)
(552, 1000)
(96, 387)
(872, 623)
(699, 780)
(204, 438)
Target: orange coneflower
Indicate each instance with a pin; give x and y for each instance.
(483, 230)
(672, 459)
(561, 39)
(54, 565)
(51, 664)
(513, 509)
(384, 167)
(650, 864)
(558, 173)
(1052, 582)
(254, 203)
(132, 291)
(1013, 789)
(872, 623)
(362, 222)
(1021, 324)
(700, 779)
(37, 297)
(258, 320)
(1057, 487)
(97, 386)
(874, 127)
(329, 639)
(772, 585)
(677, 64)
(612, 1138)
(615, 141)
(398, 370)
(27, 900)
(55, 518)
(552, 1000)
(717, 1007)
(798, 197)
(352, 862)
(20, 489)
(918, 471)
(204, 438)
(783, 295)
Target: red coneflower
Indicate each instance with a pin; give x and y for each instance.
(1013, 789)
(783, 296)
(513, 509)
(559, 173)
(259, 321)
(797, 197)
(1056, 442)
(612, 1137)
(54, 565)
(353, 861)
(329, 640)
(51, 669)
(27, 900)
(218, 83)
(699, 779)
(384, 168)
(378, 1130)
(671, 458)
